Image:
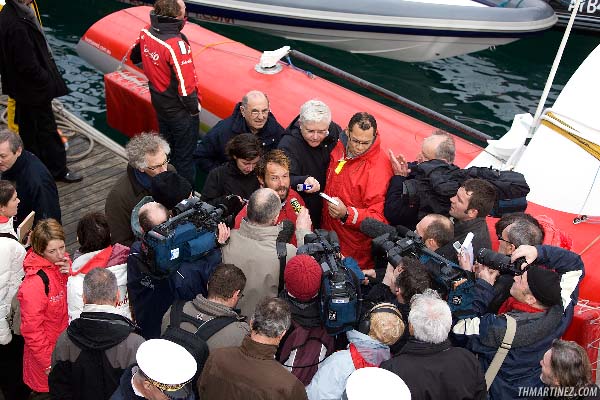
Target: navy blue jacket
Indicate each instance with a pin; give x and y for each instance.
(535, 331)
(210, 152)
(152, 295)
(308, 161)
(35, 187)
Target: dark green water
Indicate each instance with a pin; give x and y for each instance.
(483, 90)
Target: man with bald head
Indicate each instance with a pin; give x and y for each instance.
(251, 115)
(402, 205)
(252, 247)
(152, 290)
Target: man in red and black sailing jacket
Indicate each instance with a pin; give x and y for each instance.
(166, 58)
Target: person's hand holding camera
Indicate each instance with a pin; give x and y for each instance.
(529, 252)
(487, 274)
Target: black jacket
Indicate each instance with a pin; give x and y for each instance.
(210, 152)
(308, 161)
(36, 188)
(438, 371)
(91, 355)
(228, 179)
(29, 73)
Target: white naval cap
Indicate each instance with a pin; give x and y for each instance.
(167, 365)
(372, 382)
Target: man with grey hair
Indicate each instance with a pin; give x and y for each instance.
(251, 115)
(30, 76)
(252, 247)
(148, 156)
(437, 151)
(95, 350)
(34, 183)
(429, 357)
(307, 142)
(250, 371)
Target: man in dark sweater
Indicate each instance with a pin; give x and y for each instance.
(35, 186)
(95, 350)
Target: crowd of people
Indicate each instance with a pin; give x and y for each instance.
(173, 294)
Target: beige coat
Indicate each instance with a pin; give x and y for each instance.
(252, 249)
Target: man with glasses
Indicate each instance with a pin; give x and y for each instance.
(166, 57)
(357, 179)
(225, 288)
(148, 156)
(251, 115)
(308, 142)
(406, 207)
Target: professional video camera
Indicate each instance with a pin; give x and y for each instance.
(187, 236)
(501, 262)
(340, 295)
(393, 243)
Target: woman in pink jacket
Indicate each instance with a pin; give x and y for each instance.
(43, 299)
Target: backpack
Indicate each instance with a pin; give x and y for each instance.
(195, 343)
(303, 349)
(14, 316)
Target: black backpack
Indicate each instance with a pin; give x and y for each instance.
(195, 343)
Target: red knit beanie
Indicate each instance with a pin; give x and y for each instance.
(302, 277)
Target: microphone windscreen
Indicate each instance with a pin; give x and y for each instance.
(404, 231)
(287, 231)
(374, 228)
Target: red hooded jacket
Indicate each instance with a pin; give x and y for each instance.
(361, 183)
(43, 318)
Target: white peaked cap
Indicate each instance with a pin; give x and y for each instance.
(167, 364)
(375, 383)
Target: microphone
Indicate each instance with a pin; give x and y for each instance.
(374, 228)
(296, 205)
(287, 231)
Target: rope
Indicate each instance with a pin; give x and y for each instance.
(589, 246)
(210, 45)
(568, 132)
(68, 128)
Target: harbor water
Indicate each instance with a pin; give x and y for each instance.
(483, 90)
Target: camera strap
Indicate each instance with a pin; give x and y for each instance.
(509, 335)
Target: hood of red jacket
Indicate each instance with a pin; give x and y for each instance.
(34, 262)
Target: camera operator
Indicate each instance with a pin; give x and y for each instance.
(542, 302)
(253, 249)
(152, 293)
(520, 232)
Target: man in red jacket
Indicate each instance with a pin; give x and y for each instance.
(357, 179)
(166, 57)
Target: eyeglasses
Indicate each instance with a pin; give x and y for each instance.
(360, 142)
(500, 238)
(256, 113)
(155, 167)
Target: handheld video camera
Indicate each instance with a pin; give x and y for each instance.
(187, 236)
(340, 295)
(501, 262)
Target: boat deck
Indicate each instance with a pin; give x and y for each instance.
(100, 169)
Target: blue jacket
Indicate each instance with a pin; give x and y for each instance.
(36, 188)
(210, 152)
(151, 296)
(535, 331)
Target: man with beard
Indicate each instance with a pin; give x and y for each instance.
(251, 115)
(273, 172)
(166, 56)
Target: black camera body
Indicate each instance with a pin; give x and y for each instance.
(393, 247)
(501, 262)
(187, 236)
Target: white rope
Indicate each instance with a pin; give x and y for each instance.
(557, 60)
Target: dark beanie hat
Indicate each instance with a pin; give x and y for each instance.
(544, 285)
(302, 277)
(168, 188)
